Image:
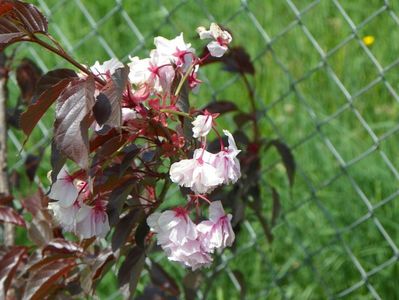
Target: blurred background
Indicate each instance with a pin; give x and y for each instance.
(326, 83)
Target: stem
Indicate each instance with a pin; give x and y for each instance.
(64, 55)
(183, 80)
(175, 112)
(253, 105)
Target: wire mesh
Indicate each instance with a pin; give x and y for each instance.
(333, 263)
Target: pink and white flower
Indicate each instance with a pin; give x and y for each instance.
(217, 232)
(178, 237)
(128, 114)
(221, 39)
(172, 227)
(155, 72)
(65, 216)
(226, 161)
(176, 51)
(64, 189)
(107, 68)
(202, 125)
(196, 173)
(92, 220)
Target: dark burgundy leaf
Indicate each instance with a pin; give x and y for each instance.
(256, 205)
(243, 118)
(33, 203)
(130, 155)
(57, 161)
(102, 109)
(163, 280)
(31, 164)
(5, 199)
(13, 116)
(18, 20)
(287, 158)
(154, 293)
(221, 107)
(40, 232)
(44, 279)
(102, 261)
(237, 60)
(141, 233)
(28, 75)
(8, 266)
(51, 78)
(276, 206)
(35, 111)
(125, 227)
(115, 202)
(191, 284)
(107, 109)
(241, 281)
(62, 246)
(131, 268)
(71, 126)
(9, 215)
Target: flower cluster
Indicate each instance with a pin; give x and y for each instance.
(150, 96)
(73, 210)
(191, 244)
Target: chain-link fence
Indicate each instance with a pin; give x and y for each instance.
(326, 84)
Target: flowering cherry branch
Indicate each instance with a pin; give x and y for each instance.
(127, 134)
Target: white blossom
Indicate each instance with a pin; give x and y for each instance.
(202, 125)
(221, 39)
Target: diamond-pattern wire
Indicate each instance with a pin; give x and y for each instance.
(318, 124)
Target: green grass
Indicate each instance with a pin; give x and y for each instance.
(307, 260)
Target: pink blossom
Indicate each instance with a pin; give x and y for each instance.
(107, 68)
(128, 114)
(196, 173)
(154, 72)
(226, 161)
(202, 125)
(92, 220)
(191, 254)
(178, 237)
(64, 189)
(172, 227)
(65, 216)
(216, 233)
(221, 39)
(175, 51)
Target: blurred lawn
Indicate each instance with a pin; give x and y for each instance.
(307, 260)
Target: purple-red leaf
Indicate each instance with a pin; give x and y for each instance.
(287, 158)
(8, 267)
(35, 111)
(71, 126)
(19, 20)
(9, 215)
(131, 268)
(221, 107)
(42, 280)
(51, 78)
(62, 246)
(108, 110)
(28, 75)
(163, 280)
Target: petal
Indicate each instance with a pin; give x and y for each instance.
(216, 211)
(216, 50)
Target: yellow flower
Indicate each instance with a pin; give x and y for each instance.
(368, 40)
